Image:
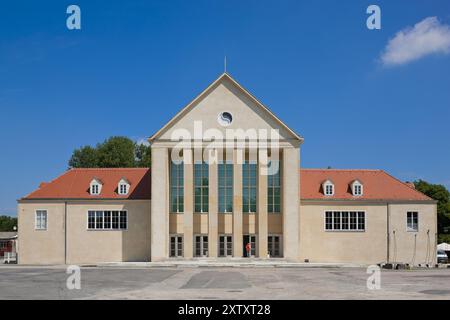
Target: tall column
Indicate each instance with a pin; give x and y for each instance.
(213, 209)
(159, 204)
(262, 209)
(291, 202)
(188, 215)
(237, 205)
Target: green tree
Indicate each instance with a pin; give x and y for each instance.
(7, 223)
(442, 195)
(85, 157)
(114, 152)
(143, 156)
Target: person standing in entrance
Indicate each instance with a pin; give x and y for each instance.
(248, 248)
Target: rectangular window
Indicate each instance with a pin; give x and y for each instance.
(176, 187)
(412, 221)
(225, 246)
(274, 188)
(94, 189)
(345, 220)
(176, 246)
(107, 220)
(249, 185)
(123, 189)
(329, 220)
(225, 173)
(201, 187)
(201, 246)
(41, 220)
(115, 219)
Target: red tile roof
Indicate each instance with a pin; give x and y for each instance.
(377, 185)
(74, 184)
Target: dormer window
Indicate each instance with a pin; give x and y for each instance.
(123, 187)
(328, 188)
(357, 188)
(95, 187)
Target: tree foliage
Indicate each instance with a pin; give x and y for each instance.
(115, 152)
(7, 223)
(439, 193)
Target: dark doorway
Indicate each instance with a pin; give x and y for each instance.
(252, 240)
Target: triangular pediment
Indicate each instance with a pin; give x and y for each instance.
(214, 106)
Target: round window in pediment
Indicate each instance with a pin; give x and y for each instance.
(225, 118)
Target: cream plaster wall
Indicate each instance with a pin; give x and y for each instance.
(41, 246)
(413, 247)
(370, 246)
(83, 245)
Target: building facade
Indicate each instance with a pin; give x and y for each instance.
(226, 181)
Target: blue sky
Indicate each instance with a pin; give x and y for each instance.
(134, 64)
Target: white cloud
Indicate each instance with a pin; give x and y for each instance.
(428, 36)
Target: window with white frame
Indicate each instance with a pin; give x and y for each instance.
(95, 187)
(41, 220)
(176, 246)
(107, 220)
(345, 221)
(412, 221)
(123, 187)
(328, 188)
(201, 246)
(225, 245)
(357, 188)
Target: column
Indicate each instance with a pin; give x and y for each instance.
(237, 204)
(262, 208)
(213, 209)
(291, 202)
(188, 215)
(159, 204)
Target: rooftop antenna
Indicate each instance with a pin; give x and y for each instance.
(225, 64)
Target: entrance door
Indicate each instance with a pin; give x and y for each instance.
(225, 246)
(274, 246)
(201, 246)
(176, 246)
(249, 238)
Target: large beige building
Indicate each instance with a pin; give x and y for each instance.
(226, 181)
